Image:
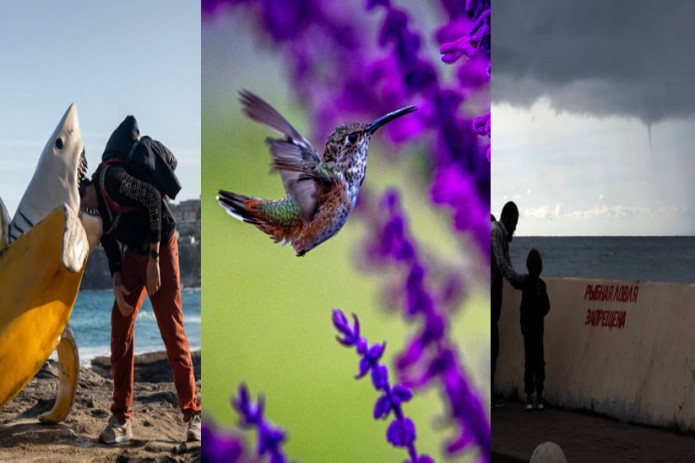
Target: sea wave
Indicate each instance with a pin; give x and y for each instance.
(88, 353)
(91, 324)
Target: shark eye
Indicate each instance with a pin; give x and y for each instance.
(352, 138)
(59, 143)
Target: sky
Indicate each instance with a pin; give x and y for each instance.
(593, 116)
(111, 59)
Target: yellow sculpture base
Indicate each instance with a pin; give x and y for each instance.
(38, 293)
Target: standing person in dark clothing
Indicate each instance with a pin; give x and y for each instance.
(501, 266)
(535, 305)
(136, 215)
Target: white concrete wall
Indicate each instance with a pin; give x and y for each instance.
(634, 360)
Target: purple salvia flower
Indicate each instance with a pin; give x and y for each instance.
(220, 446)
(351, 334)
(270, 437)
(481, 125)
(401, 431)
(470, 44)
(430, 356)
(453, 188)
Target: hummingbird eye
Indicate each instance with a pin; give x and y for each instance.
(352, 138)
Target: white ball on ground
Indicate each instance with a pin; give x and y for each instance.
(548, 452)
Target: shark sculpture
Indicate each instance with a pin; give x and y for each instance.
(43, 252)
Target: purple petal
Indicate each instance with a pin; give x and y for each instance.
(434, 328)
(416, 277)
(380, 377)
(395, 435)
(220, 446)
(240, 402)
(481, 125)
(355, 327)
(372, 3)
(376, 351)
(405, 252)
(346, 342)
(390, 199)
(275, 436)
(419, 301)
(340, 321)
(411, 355)
(260, 405)
(382, 407)
(461, 442)
(406, 50)
(365, 365)
(401, 434)
(351, 333)
(403, 393)
(421, 78)
(362, 346)
(394, 26)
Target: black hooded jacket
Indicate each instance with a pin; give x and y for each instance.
(534, 306)
(133, 210)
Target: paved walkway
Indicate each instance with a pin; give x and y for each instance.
(584, 438)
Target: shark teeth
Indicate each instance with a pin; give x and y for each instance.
(82, 168)
(89, 210)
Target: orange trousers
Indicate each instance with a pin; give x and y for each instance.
(168, 311)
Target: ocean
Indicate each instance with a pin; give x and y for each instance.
(643, 258)
(91, 323)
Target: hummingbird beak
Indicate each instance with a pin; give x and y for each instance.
(371, 128)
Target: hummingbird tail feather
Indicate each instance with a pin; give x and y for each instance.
(239, 206)
(280, 219)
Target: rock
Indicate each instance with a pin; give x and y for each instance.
(548, 452)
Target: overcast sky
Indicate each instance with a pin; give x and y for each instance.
(594, 116)
(111, 59)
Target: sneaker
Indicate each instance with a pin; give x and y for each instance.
(193, 433)
(498, 402)
(529, 402)
(116, 431)
(539, 402)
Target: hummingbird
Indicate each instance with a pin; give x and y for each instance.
(321, 190)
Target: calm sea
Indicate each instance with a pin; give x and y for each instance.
(660, 258)
(91, 323)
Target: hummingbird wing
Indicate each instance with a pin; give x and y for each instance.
(260, 111)
(294, 157)
(301, 174)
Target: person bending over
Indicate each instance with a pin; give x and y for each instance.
(135, 215)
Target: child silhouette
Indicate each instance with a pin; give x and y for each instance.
(534, 306)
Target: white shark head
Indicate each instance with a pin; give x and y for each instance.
(55, 183)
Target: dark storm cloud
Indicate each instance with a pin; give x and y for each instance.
(630, 58)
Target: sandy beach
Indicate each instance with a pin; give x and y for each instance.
(158, 430)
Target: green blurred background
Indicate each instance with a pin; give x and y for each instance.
(267, 313)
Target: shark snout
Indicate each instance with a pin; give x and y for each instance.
(70, 120)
